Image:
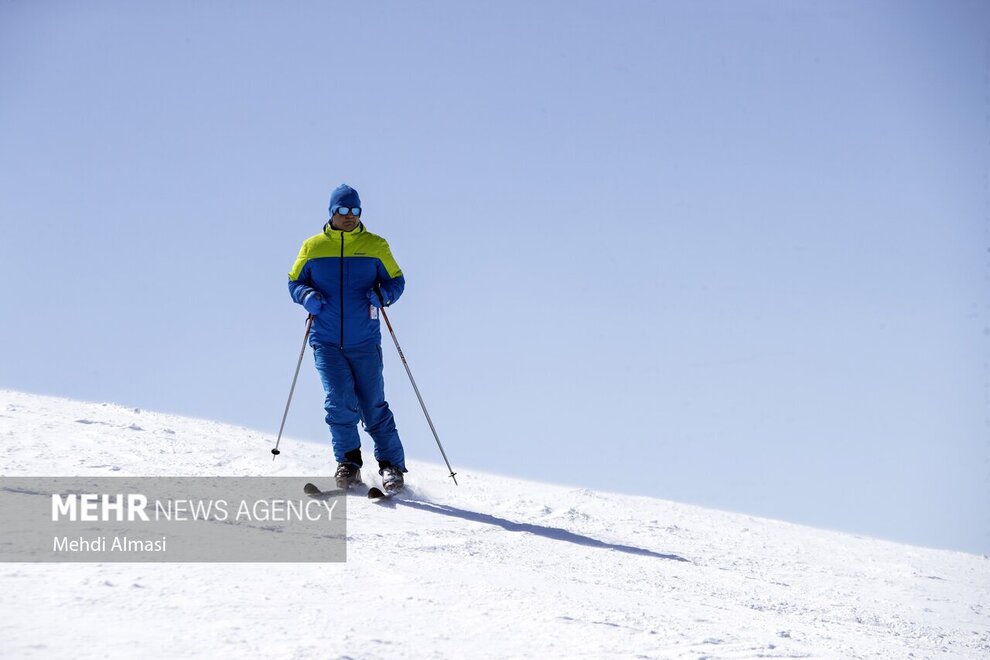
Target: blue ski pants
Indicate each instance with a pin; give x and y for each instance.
(355, 388)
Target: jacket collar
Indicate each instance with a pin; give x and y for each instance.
(337, 233)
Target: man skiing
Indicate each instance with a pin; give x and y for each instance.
(343, 276)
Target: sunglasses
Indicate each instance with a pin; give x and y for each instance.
(343, 210)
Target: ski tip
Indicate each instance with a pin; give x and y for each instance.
(311, 489)
(375, 493)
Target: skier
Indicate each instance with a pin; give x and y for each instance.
(343, 276)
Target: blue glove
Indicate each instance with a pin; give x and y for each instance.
(384, 301)
(313, 302)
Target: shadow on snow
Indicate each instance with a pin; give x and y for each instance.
(554, 533)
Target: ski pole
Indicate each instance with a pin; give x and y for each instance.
(416, 389)
(309, 324)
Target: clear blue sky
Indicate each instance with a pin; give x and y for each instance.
(733, 254)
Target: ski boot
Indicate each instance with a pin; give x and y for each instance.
(347, 475)
(392, 480)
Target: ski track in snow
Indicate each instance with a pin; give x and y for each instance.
(495, 567)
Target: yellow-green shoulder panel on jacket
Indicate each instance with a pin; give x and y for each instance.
(356, 244)
(374, 245)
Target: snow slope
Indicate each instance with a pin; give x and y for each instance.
(495, 567)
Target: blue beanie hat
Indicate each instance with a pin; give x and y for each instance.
(344, 195)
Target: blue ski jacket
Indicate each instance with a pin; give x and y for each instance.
(343, 267)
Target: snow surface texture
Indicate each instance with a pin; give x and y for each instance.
(495, 567)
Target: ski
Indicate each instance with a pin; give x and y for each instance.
(378, 495)
(313, 491)
(375, 493)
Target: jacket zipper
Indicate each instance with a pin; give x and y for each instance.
(341, 290)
